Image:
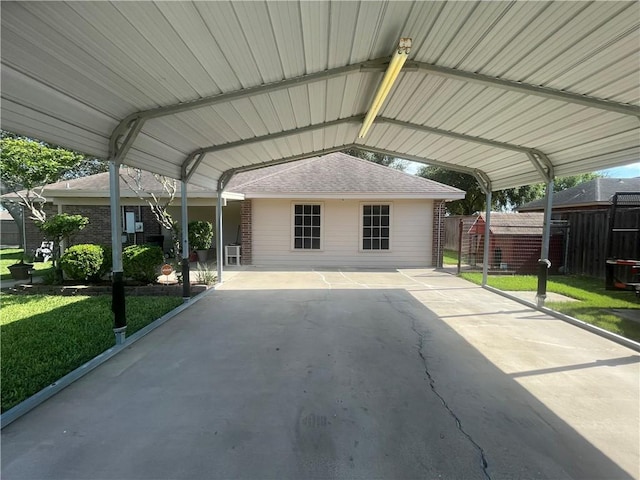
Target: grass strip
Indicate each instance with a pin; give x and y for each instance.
(44, 337)
(450, 257)
(594, 303)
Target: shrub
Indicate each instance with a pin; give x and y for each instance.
(107, 263)
(200, 235)
(83, 262)
(141, 262)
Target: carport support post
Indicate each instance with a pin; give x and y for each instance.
(118, 298)
(186, 283)
(219, 242)
(544, 263)
(487, 232)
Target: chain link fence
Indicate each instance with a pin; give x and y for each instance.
(515, 243)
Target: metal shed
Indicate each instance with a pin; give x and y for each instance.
(511, 92)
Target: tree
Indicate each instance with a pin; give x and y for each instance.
(386, 160)
(562, 183)
(27, 166)
(58, 228)
(159, 204)
(506, 199)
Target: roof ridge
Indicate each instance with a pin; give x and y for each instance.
(294, 164)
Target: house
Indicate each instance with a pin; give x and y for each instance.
(89, 196)
(592, 195)
(335, 210)
(9, 232)
(514, 244)
(338, 210)
(584, 212)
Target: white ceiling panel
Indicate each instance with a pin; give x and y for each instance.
(266, 81)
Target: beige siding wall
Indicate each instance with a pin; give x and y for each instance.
(411, 235)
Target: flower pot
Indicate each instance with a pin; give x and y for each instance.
(20, 271)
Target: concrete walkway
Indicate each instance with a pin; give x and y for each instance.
(344, 374)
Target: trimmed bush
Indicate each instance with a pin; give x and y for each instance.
(107, 263)
(142, 262)
(83, 262)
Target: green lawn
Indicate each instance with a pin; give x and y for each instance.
(594, 303)
(44, 337)
(450, 257)
(9, 256)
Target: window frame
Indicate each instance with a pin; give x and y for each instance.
(292, 235)
(378, 251)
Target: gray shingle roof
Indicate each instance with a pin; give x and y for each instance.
(98, 186)
(592, 193)
(337, 173)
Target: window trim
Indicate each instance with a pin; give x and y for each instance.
(292, 221)
(361, 227)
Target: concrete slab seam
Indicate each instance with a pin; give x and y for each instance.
(49, 391)
(626, 342)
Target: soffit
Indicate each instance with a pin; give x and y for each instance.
(72, 71)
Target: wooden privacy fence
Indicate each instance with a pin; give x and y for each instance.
(588, 237)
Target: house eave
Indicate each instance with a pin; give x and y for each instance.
(71, 193)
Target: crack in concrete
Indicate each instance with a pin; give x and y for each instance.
(432, 385)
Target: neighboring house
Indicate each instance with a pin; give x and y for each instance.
(515, 242)
(9, 232)
(592, 195)
(584, 211)
(334, 210)
(89, 196)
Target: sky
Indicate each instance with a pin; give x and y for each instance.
(628, 171)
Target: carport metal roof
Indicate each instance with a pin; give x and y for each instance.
(513, 91)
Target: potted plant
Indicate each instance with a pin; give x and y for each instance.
(200, 237)
(21, 270)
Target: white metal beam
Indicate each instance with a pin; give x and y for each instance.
(528, 89)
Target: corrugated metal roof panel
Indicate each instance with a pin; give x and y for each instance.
(120, 58)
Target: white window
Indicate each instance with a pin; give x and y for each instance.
(376, 227)
(307, 224)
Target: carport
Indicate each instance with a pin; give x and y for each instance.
(512, 93)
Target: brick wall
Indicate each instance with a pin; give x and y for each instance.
(33, 233)
(99, 229)
(438, 233)
(245, 231)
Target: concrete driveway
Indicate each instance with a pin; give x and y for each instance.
(411, 374)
